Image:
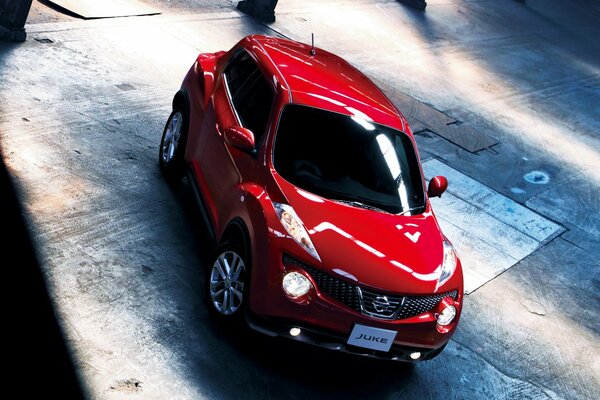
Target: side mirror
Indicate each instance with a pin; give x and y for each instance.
(437, 186)
(240, 138)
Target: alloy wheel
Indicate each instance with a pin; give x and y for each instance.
(172, 137)
(227, 282)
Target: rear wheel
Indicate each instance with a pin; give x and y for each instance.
(172, 146)
(227, 282)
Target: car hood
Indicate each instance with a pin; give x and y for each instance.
(394, 253)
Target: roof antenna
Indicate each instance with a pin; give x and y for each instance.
(312, 47)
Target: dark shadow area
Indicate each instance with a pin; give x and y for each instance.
(201, 234)
(327, 373)
(38, 358)
(249, 24)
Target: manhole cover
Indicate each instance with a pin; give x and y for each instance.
(537, 177)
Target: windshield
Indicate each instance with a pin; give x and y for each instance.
(349, 159)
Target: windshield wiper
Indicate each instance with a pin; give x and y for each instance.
(411, 209)
(361, 205)
(356, 198)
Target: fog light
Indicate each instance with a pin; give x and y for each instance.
(295, 331)
(415, 356)
(296, 284)
(446, 316)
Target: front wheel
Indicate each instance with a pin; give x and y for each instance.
(172, 146)
(227, 282)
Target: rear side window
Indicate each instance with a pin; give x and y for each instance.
(251, 94)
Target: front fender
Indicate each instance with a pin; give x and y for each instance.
(252, 212)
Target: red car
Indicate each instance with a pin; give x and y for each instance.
(311, 186)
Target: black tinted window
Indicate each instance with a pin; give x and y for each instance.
(251, 94)
(348, 159)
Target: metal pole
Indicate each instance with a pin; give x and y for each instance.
(13, 14)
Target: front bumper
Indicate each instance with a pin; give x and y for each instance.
(316, 336)
(328, 316)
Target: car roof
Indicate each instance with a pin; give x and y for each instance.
(327, 81)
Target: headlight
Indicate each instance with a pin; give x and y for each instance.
(448, 264)
(295, 228)
(296, 284)
(446, 316)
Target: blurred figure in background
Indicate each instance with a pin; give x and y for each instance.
(418, 4)
(263, 10)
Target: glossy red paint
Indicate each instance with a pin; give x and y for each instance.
(240, 138)
(329, 82)
(394, 255)
(437, 186)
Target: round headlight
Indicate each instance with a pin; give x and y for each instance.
(296, 284)
(446, 316)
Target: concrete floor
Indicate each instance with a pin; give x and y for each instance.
(82, 107)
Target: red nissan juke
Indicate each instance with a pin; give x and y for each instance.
(311, 186)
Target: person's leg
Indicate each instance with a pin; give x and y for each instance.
(263, 10)
(13, 15)
(418, 4)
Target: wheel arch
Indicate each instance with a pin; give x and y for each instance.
(182, 99)
(237, 231)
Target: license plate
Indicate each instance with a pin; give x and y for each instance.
(372, 338)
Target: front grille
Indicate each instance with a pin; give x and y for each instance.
(367, 301)
(415, 305)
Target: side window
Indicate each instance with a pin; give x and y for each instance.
(251, 94)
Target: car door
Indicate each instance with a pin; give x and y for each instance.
(242, 97)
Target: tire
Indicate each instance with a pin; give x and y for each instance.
(172, 146)
(227, 283)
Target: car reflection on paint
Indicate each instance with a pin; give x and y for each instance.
(311, 186)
